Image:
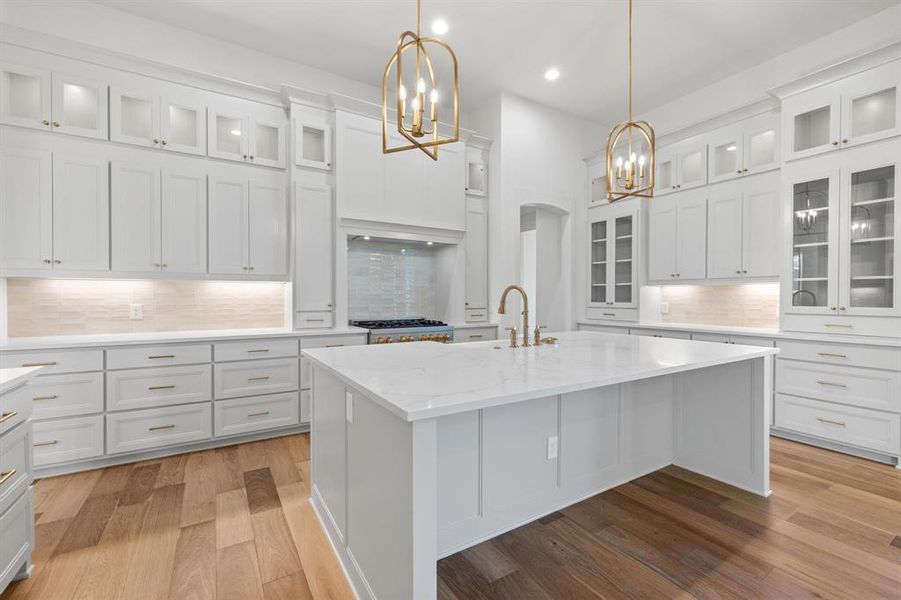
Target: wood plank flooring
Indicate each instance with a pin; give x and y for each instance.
(235, 523)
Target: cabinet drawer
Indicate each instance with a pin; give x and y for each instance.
(55, 361)
(333, 341)
(158, 356)
(843, 325)
(314, 320)
(480, 334)
(15, 464)
(143, 388)
(15, 408)
(256, 377)
(243, 415)
(157, 427)
(65, 395)
(868, 388)
(611, 314)
(744, 340)
(64, 440)
(604, 329)
(844, 424)
(841, 354)
(16, 536)
(711, 337)
(661, 333)
(476, 314)
(306, 405)
(243, 350)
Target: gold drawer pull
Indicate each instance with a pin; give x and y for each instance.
(162, 387)
(158, 427)
(476, 335)
(845, 325)
(477, 315)
(831, 422)
(154, 357)
(315, 320)
(258, 414)
(5, 476)
(260, 378)
(259, 350)
(47, 443)
(832, 384)
(8, 415)
(609, 314)
(334, 345)
(38, 398)
(40, 364)
(833, 354)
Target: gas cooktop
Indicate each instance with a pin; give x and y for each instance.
(387, 331)
(398, 323)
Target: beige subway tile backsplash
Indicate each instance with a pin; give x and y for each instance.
(741, 305)
(39, 307)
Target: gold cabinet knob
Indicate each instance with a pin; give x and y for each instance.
(844, 141)
(163, 142)
(156, 141)
(45, 122)
(251, 157)
(835, 143)
(56, 123)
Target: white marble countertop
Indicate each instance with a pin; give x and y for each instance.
(10, 378)
(126, 339)
(425, 380)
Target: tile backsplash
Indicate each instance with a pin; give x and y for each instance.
(39, 307)
(741, 305)
(391, 279)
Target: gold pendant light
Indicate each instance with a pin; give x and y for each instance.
(630, 151)
(416, 125)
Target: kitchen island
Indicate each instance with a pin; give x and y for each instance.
(422, 450)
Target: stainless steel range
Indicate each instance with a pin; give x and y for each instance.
(387, 331)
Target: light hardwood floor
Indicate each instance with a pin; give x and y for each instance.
(234, 523)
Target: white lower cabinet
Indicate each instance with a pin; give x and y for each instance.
(163, 386)
(66, 440)
(256, 377)
(245, 415)
(306, 405)
(67, 395)
(475, 334)
(15, 465)
(16, 536)
(157, 427)
(661, 333)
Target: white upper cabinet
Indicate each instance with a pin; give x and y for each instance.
(613, 269)
(228, 135)
(314, 226)
(247, 132)
(80, 214)
(677, 230)
(25, 96)
(268, 229)
(26, 209)
(228, 226)
(361, 167)
(442, 201)
(312, 143)
(724, 216)
(745, 148)
(183, 123)
(172, 121)
(681, 166)
(267, 142)
(476, 248)
(855, 110)
(134, 117)
(476, 178)
(184, 222)
(661, 241)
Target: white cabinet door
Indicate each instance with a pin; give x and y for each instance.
(476, 258)
(267, 143)
(24, 96)
(360, 167)
(726, 154)
(26, 209)
(761, 144)
(811, 123)
(135, 217)
(184, 222)
(665, 180)
(80, 214)
(79, 106)
(228, 226)
(443, 203)
(871, 108)
(315, 247)
(404, 186)
(761, 227)
(134, 117)
(183, 123)
(692, 166)
(268, 229)
(312, 144)
(724, 233)
(691, 237)
(227, 135)
(662, 240)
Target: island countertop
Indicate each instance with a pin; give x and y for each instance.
(427, 379)
(10, 378)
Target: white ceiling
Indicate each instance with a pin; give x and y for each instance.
(680, 45)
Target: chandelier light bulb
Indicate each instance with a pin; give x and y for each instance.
(641, 160)
(420, 87)
(402, 92)
(434, 96)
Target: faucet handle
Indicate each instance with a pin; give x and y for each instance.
(513, 342)
(537, 335)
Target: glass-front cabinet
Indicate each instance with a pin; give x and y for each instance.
(613, 272)
(681, 166)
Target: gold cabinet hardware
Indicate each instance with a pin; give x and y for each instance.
(56, 123)
(832, 384)
(478, 314)
(476, 335)
(831, 421)
(738, 272)
(40, 364)
(157, 265)
(258, 378)
(833, 354)
(258, 414)
(252, 268)
(315, 320)
(258, 350)
(56, 261)
(47, 261)
(170, 386)
(245, 156)
(163, 142)
(334, 345)
(158, 427)
(843, 325)
(156, 141)
(47, 443)
(833, 308)
(609, 314)
(835, 143)
(8, 415)
(4, 477)
(164, 265)
(744, 170)
(251, 157)
(844, 141)
(39, 398)
(45, 122)
(842, 308)
(157, 356)
(739, 171)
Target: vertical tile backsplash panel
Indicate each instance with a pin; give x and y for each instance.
(744, 305)
(387, 279)
(39, 307)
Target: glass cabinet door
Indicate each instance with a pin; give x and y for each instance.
(182, 123)
(623, 267)
(665, 181)
(726, 158)
(24, 96)
(228, 136)
(870, 115)
(812, 244)
(267, 144)
(79, 107)
(692, 168)
(598, 274)
(760, 150)
(134, 117)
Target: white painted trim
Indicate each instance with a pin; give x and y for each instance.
(354, 576)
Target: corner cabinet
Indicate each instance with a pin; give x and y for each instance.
(614, 258)
(842, 219)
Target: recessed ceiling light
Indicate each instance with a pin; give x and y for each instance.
(552, 74)
(439, 27)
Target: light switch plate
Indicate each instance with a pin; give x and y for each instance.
(664, 308)
(552, 444)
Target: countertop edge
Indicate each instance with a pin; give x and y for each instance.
(24, 374)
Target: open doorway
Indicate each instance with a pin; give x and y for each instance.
(542, 266)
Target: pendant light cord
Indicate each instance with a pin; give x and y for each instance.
(630, 59)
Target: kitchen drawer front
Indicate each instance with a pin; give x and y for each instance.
(611, 314)
(145, 388)
(244, 350)
(843, 325)
(841, 354)
(156, 427)
(65, 440)
(16, 536)
(256, 377)
(844, 424)
(603, 329)
(710, 337)
(744, 340)
(244, 415)
(314, 320)
(306, 405)
(158, 356)
(15, 408)
(480, 334)
(867, 388)
(476, 315)
(56, 361)
(661, 333)
(333, 341)
(65, 395)
(15, 464)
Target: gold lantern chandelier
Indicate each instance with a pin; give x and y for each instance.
(630, 151)
(416, 125)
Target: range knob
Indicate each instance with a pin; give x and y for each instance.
(380, 340)
(389, 339)
(445, 338)
(426, 337)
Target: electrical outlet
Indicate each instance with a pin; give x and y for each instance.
(552, 444)
(136, 312)
(664, 308)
